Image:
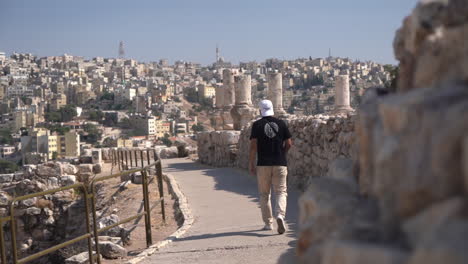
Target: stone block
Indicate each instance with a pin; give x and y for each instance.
(347, 252)
(111, 250)
(82, 258)
(421, 227)
(5, 178)
(68, 180)
(448, 244)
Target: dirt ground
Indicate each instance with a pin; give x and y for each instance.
(129, 202)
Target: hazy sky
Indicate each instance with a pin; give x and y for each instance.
(190, 29)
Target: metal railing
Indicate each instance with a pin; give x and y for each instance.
(88, 191)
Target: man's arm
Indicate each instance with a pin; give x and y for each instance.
(252, 156)
(287, 145)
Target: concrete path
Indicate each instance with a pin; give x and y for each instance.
(224, 203)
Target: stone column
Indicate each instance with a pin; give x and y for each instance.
(228, 87)
(242, 112)
(243, 84)
(229, 98)
(219, 97)
(218, 115)
(275, 92)
(342, 100)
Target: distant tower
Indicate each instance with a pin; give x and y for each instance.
(121, 50)
(329, 52)
(217, 53)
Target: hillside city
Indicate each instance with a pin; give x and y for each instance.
(57, 107)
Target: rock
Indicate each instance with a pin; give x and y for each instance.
(420, 227)
(97, 168)
(48, 170)
(111, 251)
(137, 178)
(5, 178)
(86, 159)
(403, 185)
(29, 202)
(85, 168)
(4, 199)
(331, 209)
(110, 220)
(169, 153)
(82, 258)
(115, 240)
(69, 169)
(52, 182)
(68, 180)
(448, 244)
(33, 211)
(342, 169)
(346, 252)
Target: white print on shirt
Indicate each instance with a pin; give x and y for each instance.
(271, 129)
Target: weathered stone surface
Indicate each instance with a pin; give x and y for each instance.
(424, 126)
(331, 209)
(48, 170)
(110, 220)
(68, 168)
(218, 148)
(169, 153)
(111, 251)
(347, 252)
(82, 258)
(5, 178)
(448, 244)
(4, 199)
(85, 168)
(431, 45)
(68, 180)
(420, 227)
(97, 168)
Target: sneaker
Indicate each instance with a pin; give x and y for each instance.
(281, 225)
(268, 227)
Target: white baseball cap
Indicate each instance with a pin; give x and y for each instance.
(266, 108)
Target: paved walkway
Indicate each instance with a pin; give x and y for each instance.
(227, 222)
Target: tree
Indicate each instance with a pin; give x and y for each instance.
(7, 166)
(5, 136)
(93, 133)
(198, 127)
(96, 115)
(391, 85)
(107, 96)
(166, 141)
(68, 112)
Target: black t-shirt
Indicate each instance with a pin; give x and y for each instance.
(270, 133)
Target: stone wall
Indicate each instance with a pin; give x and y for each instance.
(218, 148)
(317, 142)
(407, 200)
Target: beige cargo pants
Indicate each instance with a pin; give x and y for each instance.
(268, 176)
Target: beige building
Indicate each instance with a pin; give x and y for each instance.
(40, 140)
(124, 143)
(24, 118)
(206, 91)
(162, 128)
(58, 101)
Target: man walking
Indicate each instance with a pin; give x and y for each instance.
(270, 141)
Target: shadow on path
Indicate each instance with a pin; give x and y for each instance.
(238, 181)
